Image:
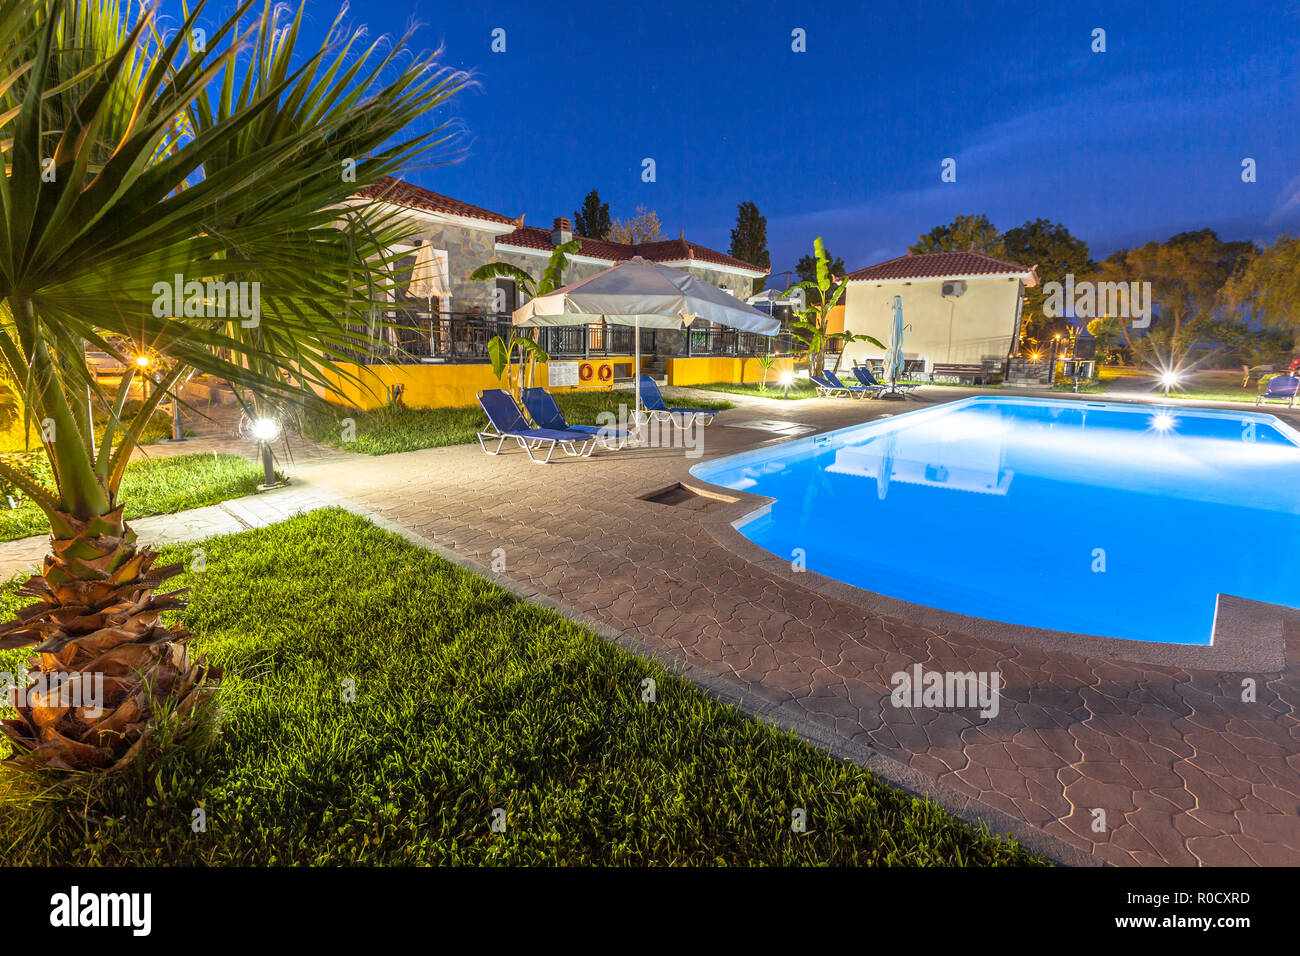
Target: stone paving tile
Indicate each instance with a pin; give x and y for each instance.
(1185, 772)
(1152, 746)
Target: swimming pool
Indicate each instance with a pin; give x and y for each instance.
(1087, 517)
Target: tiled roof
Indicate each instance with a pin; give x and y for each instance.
(937, 265)
(665, 250)
(534, 237)
(408, 194)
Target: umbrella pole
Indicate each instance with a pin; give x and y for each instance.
(636, 364)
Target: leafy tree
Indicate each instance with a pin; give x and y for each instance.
(749, 239)
(149, 179)
(1188, 273)
(822, 293)
(1057, 253)
(1108, 332)
(643, 227)
(963, 234)
(501, 351)
(806, 267)
(592, 220)
(1266, 291)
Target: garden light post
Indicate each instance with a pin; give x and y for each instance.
(787, 379)
(266, 430)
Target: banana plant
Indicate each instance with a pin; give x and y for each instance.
(810, 330)
(501, 355)
(499, 349)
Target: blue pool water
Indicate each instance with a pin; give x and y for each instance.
(1118, 520)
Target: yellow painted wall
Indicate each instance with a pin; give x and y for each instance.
(704, 369)
(835, 318)
(452, 386)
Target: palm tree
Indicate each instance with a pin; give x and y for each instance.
(137, 161)
(811, 329)
(501, 351)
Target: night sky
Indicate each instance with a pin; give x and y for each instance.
(847, 139)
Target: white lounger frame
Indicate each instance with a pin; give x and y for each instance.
(572, 449)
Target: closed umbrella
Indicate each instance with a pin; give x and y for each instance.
(894, 354)
(427, 281)
(643, 294)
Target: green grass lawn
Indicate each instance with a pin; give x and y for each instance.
(157, 486)
(1210, 385)
(385, 431)
(466, 700)
(14, 439)
(801, 389)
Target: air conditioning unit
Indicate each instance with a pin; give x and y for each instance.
(952, 290)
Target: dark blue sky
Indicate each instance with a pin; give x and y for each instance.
(846, 140)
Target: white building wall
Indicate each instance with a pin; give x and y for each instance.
(977, 325)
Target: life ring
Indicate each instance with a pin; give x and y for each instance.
(606, 372)
(584, 371)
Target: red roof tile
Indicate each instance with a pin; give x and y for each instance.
(665, 250)
(408, 194)
(937, 265)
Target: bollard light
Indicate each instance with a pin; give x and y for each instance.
(266, 430)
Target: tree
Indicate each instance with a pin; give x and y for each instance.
(501, 351)
(147, 183)
(749, 239)
(963, 234)
(592, 220)
(1057, 253)
(811, 328)
(643, 227)
(1188, 273)
(1266, 291)
(806, 267)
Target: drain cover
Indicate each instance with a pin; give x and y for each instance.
(678, 495)
(776, 427)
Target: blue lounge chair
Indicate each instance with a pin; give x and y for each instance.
(863, 375)
(546, 414)
(1284, 386)
(854, 391)
(505, 420)
(654, 403)
(824, 388)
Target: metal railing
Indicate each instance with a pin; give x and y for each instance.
(417, 336)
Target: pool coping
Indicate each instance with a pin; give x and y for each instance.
(1248, 635)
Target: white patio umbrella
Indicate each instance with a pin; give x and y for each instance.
(643, 294)
(894, 354)
(427, 281)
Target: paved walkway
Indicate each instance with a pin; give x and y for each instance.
(1185, 772)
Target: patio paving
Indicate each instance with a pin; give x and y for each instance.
(1185, 771)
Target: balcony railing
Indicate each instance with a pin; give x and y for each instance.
(422, 337)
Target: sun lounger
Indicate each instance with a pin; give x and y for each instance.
(505, 420)
(654, 403)
(855, 391)
(863, 375)
(1284, 386)
(545, 413)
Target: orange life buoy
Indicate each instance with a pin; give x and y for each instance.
(584, 371)
(606, 372)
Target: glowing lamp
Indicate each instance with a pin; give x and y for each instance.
(266, 429)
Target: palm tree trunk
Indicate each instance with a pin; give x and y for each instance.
(106, 666)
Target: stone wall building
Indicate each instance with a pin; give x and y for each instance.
(465, 237)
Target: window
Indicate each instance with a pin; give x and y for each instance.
(507, 295)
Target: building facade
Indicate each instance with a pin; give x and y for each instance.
(959, 308)
(437, 353)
